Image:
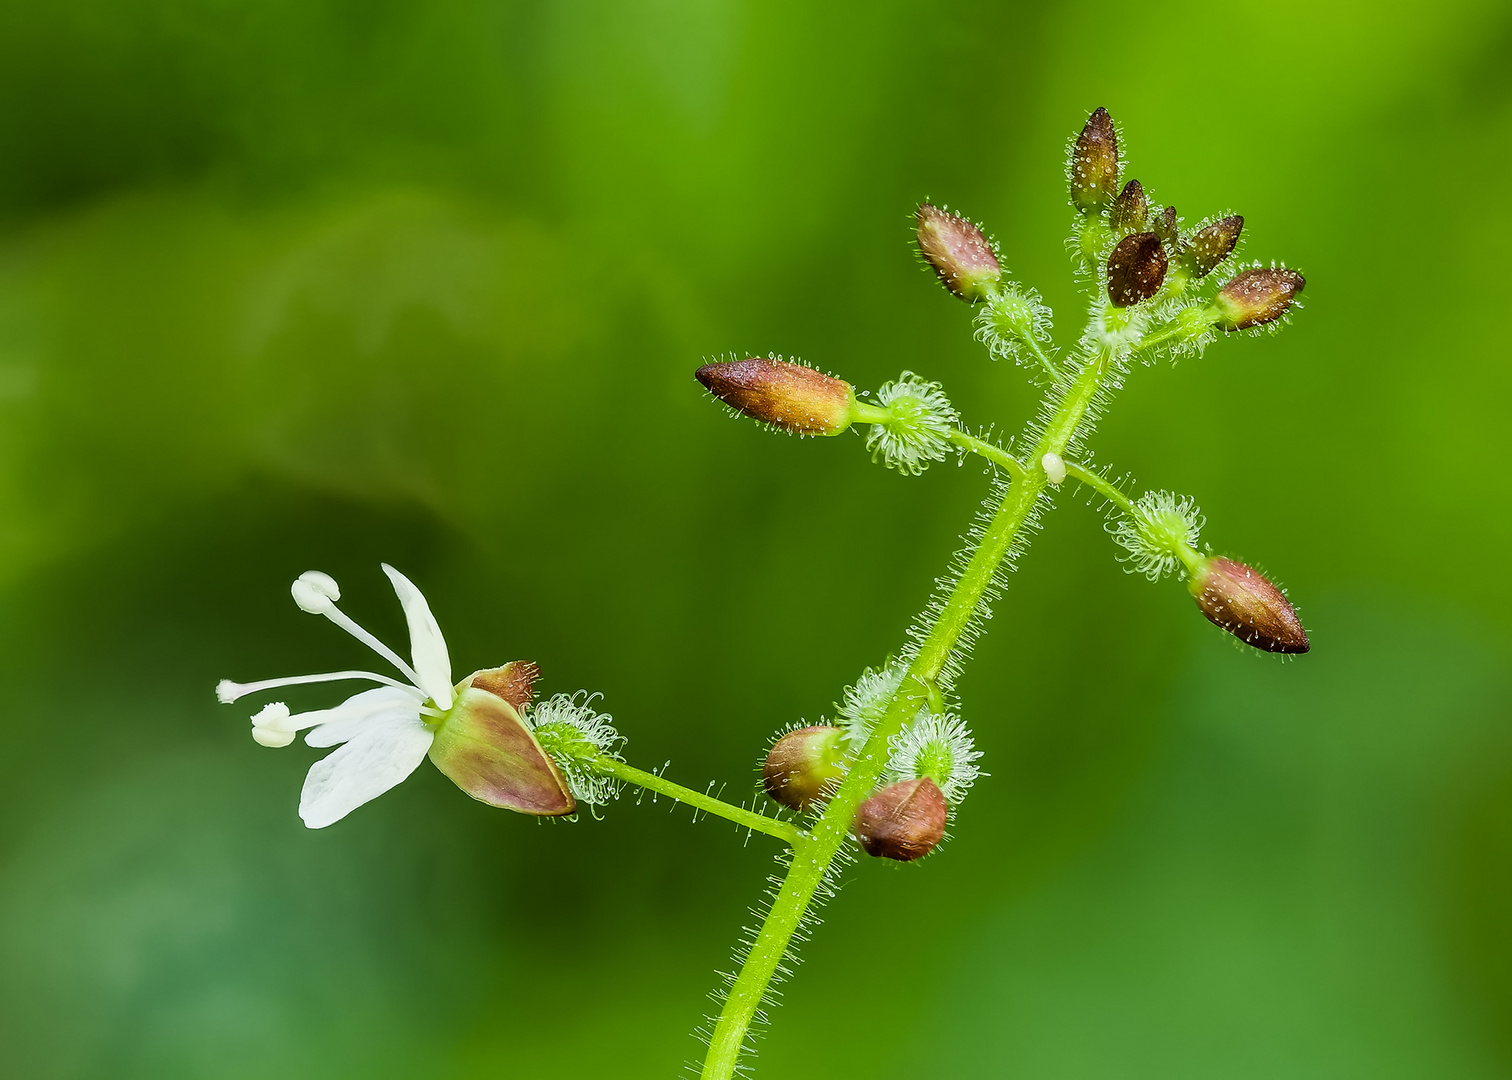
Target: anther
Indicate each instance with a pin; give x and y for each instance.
(315, 592)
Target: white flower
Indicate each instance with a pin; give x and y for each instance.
(383, 733)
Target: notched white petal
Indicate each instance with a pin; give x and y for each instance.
(315, 592)
(427, 646)
(383, 754)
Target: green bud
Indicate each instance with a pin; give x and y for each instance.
(1212, 244)
(903, 821)
(1240, 600)
(485, 748)
(1256, 297)
(1136, 269)
(804, 766)
(789, 396)
(1130, 208)
(1094, 164)
(958, 252)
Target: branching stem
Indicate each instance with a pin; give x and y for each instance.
(1100, 485)
(815, 851)
(993, 453)
(785, 831)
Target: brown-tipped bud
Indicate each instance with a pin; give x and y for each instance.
(1257, 297)
(789, 396)
(489, 752)
(903, 821)
(959, 253)
(1163, 225)
(804, 766)
(1130, 208)
(1136, 269)
(1094, 164)
(1244, 603)
(1213, 243)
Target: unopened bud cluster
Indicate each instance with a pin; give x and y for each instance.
(1142, 255)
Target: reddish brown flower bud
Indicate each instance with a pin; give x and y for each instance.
(1130, 208)
(1094, 163)
(1257, 297)
(903, 821)
(1136, 269)
(959, 253)
(1212, 244)
(803, 766)
(1244, 603)
(790, 396)
(1163, 225)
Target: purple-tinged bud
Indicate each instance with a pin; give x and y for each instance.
(1213, 243)
(1094, 164)
(959, 253)
(1257, 297)
(903, 821)
(789, 396)
(1244, 603)
(804, 766)
(1136, 269)
(485, 748)
(1164, 226)
(1130, 209)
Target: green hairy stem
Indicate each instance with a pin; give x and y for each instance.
(814, 852)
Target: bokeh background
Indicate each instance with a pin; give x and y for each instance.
(290, 285)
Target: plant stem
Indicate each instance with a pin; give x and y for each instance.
(1101, 486)
(815, 851)
(995, 454)
(782, 830)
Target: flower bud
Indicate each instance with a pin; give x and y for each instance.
(1094, 164)
(1164, 226)
(803, 766)
(1244, 603)
(959, 253)
(903, 821)
(789, 396)
(488, 751)
(1212, 244)
(1130, 208)
(1136, 269)
(1257, 297)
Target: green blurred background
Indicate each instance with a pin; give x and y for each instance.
(290, 285)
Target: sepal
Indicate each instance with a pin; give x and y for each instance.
(484, 747)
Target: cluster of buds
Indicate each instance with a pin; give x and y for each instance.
(1146, 252)
(931, 766)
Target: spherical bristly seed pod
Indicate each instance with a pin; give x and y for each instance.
(789, 396)
(803, 766)
(1094, 164)
(1257, 297)
(1136, 269)
(1164, 226)
(1241, 601)
(903, 821)
(958, 252)
(1212, 244)
(1130, 208)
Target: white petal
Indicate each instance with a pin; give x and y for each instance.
(427, 646)
(388, 750)
(335, 726)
